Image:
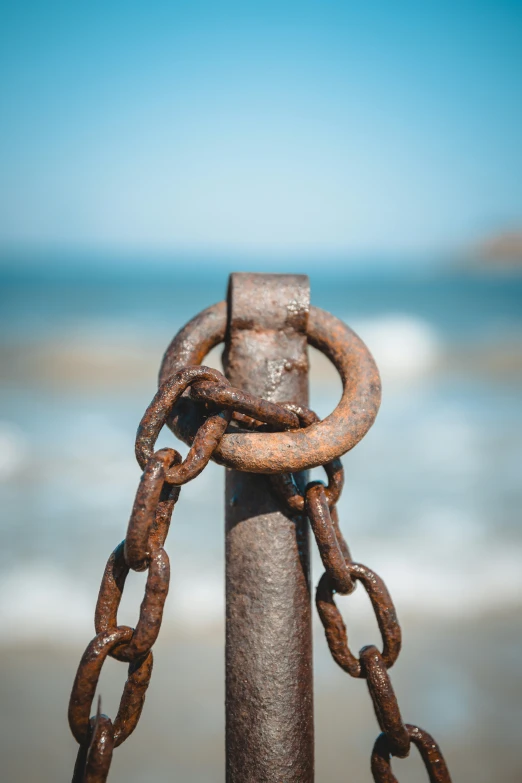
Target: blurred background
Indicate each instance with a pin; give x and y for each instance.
(149, 149)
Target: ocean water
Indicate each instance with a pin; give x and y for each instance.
(432, 494)
(431, 502)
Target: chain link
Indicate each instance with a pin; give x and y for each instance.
(427, 747)
(164, 471)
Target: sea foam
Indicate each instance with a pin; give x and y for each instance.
(403, 345)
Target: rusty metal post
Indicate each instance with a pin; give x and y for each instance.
(269, 696)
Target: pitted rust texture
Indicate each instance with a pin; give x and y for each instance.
(428, 749)
(372, 665)
(265, 350)
(268, 655)
(245, 404)
(151, 610)
(280, 452)
(86, 680)
(94, 760)
(143, 535)
(284, 483)
(209, 432)
(384, 700)
(326, 537)
(335, 629)
(100, 751)
(269, 698)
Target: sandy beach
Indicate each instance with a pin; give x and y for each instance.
(450, 679)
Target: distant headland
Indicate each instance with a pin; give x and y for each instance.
(502, 250)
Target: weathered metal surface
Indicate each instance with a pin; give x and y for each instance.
(86, 680)
(282, 452)
(269, 695)
(285, 485)
(100, 751)
(335, 629)
(326, 537)
(206, 438)
(151, 610)
(269, 706)
(384, 700)
(94, 760)
(428, 749)
(139, 541)
(248, 405)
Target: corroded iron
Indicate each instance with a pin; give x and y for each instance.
(268, 651)
(210, 430)
(300, 449)
(284, 483)
(257, 425)
(94, 760)
(428, 749)
(384, 701)
(142, 532)
(86, 680)
(240, 402)
(151, 610)
(335, 629)
(326, 537)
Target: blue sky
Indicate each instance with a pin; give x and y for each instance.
(285, 127)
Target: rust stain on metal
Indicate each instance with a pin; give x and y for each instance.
(384, 700)
(94, 760)
(285, 451)
(428, 749)
(269, 697)
(139, 541)
(335, 629)
(326, 537)
(151, 610)
(247, 404)
(284, 483)
(258, 425)
(207, 437)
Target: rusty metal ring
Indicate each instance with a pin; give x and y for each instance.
(335, 629)
(428, 749)
(334, 469)
(285, 484)
(282, 452)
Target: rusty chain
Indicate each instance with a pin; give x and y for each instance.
(341, 574)
(164, 471)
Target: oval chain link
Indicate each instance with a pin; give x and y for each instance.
(335, 629)
(151, 609)
(86, 680)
